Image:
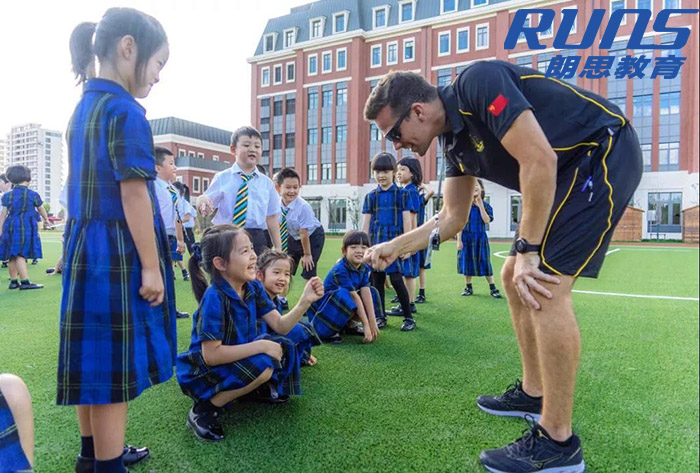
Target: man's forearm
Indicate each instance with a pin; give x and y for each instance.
(417, 239)
(537, 186)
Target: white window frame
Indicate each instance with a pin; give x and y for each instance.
(274, 70)
(215, 157)
(561, 17)
(413, 11)
(200, 155)
(190, 154)
(181, 153)
(308, 65)
(392, 43)
(386, 9)
(624, 6)
(322, 19)
(651, 9)
(323, 69)
(479, 6)
(284, 37)
(196, 185)
(488, 34)
(447, 33)
(528, 24)
(551, 31)
(205, 183)
(286, 72)
(442, 7)
(274, 41)
(469, 40)
(263, 83)
(403, 55)
(344, 13)
(371, 56)
(337, 62)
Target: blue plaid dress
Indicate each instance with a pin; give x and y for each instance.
(113, 344)
(413, 204)
(223, 315)
(386, 208)
(12, 457)
(20, 233)
(422, 254)
(475, 257)
(302, 335)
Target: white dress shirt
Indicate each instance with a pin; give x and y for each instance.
(300, 215)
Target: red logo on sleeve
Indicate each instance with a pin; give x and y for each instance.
(497, 106)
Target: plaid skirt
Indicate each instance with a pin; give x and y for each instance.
(12, 458)
(303, 336)
(411, 266)
(201, 381)
(20, 237)
(113, 344)
(474, 259)
(422, 255)
(333, 311)
(173, 248)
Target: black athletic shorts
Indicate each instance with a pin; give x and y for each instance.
(589, 202)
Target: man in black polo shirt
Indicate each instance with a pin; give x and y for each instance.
(576, 161)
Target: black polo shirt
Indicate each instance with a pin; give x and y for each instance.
(484, 100)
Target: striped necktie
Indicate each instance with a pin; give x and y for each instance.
(174, 196)
(241, 207)
(284, 234)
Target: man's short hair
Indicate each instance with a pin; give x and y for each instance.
(161, 153)
(248, 131)
(399, 90)
(286, 173)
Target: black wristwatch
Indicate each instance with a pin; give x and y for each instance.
(522, 246)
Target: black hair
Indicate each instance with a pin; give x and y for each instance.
(261, 169)
(416, 171)
(355, 237)
(248, 131)
(269, 257)
(180, 187)
(161, 153)
(4, 178)
(384, 162)
(216, 241)
(286, 173)
(483, 190)
(18, 174)
(116, 23)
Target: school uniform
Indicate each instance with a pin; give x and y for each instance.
(334, 310)
(262, 201)
(422, 254)
(299, 215)
(168, 203)
(20, 233)
(113, 344)
(188, 227)
(302, 335)
(474, 259)
(411, 265)
(12, 457)
(386, 208)
(223, 315)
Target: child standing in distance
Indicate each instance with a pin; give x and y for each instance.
(275, 274)
(409, 176)
(117, 326)
(5, 186)
(19, 232)
(169, 204)
(426, 193)
(474, 252)
(188, 214)
(230, 354)
(244, 196)
(386, 214)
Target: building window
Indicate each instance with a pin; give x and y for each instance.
(479, 3)
(374, 134)
(269, 42)
(312, 173)
(376, 56)
(277, 108)
(549, 31)
(444, 77)
(265, 77)
(668, 157)
(341, 134)
(670, 103)
(341, 56)
(195, 185)
(290, 105)
(181, 153)
(290, 141)
(573, 26)
(444, 43)
(313, 65)
(409, 50)
(326, 169)
(313, 100)
(277, 141)
(516, 212)
(326, 135)
(448, 6)
(277, 74)
(340, 171)
(618, 5)
(340, 22)
(406, 10)
(205, 184)
(463, 40)
(664, 212)
(200, 155)
(313, 136)
(327, 98)
(290, 37)
(646, 155)
(379, 16)
(215, 157)
(316, 28)
(645, 5)
(392, 53)
(291, 72)
(191, 154)
(337, 214)
(674, 4)
(327, 63)
(341, 97)
(482, 36)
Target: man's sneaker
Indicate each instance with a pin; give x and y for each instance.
(495, 294)
(395, 300)
(420, 299)
(408, 325)
(468, 291)
(512, 403)
(381, 322)
(535, 452)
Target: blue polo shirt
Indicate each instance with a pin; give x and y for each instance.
(344, 275)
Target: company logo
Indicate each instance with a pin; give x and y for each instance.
(667, 66)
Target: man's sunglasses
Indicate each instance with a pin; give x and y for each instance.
(394, 135)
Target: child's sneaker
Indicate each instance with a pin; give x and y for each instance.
(205, 425)
(355, 328)
(185, 275)
(420, 299)
(395, 300)
(27, 285)
(468, 291)
(14, 284)
(381, 322)
(408, 324)
(495, 294)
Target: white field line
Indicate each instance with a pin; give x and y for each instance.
(612, 251)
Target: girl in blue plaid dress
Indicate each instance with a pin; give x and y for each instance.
(117, 327)
(473, 250)
(16, 426)
(19, 233)
(386, 215)
(231, 353)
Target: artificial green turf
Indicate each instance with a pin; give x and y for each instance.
(406, 402)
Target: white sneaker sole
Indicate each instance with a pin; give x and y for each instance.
(520, 414)
(578, 468)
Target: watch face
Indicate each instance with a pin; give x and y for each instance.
(520, 245)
